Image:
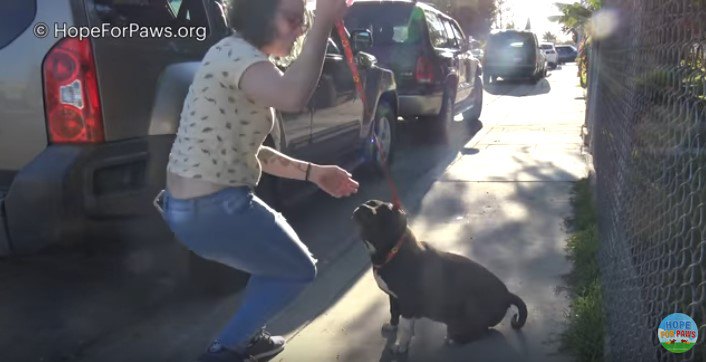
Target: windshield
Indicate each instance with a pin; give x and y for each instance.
(389, 23)
(511, 40)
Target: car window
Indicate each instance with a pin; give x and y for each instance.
(332, 48)
(457, 32)
(152, 13)
(511, 40)
(390, 24)
(437, 31)
(450, 35)
(22, 13)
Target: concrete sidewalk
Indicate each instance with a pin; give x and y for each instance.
(502, 203)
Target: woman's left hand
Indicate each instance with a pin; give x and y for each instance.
(334, 180)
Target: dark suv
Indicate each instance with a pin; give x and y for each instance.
(567, 53)
(86, 125)
(436, 73)
(513, 54)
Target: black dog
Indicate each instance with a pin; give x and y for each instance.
(423, 282)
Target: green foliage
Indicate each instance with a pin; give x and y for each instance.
(584, 335)
(474, 16)
(549, 37)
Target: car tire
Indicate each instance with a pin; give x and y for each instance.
(384, 128)
(476, 96)
(443, 122)
(534, 78)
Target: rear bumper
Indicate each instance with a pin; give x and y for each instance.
(67, 189)
(419, 105)
(509, 71)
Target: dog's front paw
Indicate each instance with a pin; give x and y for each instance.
(399, 348)
(388, 327)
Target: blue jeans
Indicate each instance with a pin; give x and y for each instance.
(234, 227)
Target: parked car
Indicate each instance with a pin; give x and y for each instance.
(551, 54)
(337, 128)
(567, 53)
(437, 76)
(86, 126)
(513, 54)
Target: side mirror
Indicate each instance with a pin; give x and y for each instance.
(362, 40)
(365, 60)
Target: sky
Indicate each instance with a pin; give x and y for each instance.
(538, 11)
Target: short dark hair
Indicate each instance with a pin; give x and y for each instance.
(254, 20)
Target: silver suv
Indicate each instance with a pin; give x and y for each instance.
(86, 123)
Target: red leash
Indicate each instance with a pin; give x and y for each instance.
(348, 52)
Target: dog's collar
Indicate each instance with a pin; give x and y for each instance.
(392, 253)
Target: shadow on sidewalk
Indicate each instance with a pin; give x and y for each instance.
(518, 88)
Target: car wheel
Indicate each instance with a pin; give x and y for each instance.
(445, 119)
(440, 124)
(474, 113)
(534, 78)
(384, 130)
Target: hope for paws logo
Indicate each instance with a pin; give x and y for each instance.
(678, 333)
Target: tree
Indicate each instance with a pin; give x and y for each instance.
(549, 37)
(510, 25)
(575, 17)
(529, 25)
(576, 20)
(474, 16)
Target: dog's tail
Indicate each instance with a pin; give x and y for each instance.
(522, 308)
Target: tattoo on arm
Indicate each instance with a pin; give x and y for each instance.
(272, 158)
(266, 155)
(284, 162)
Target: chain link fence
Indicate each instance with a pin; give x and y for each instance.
(647, 125)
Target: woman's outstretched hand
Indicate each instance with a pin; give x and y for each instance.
(334, 180)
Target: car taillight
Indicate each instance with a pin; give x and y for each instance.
(71, 97)
(425, 70)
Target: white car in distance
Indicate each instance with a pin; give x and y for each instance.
(551, 54)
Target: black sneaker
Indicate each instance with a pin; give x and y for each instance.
(218, 353)
(264, 345)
